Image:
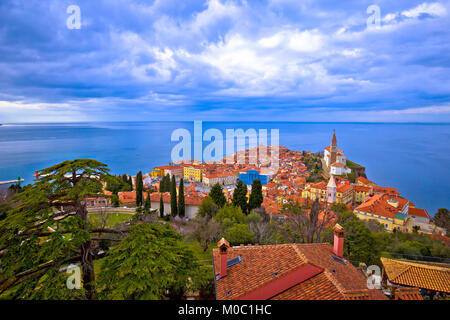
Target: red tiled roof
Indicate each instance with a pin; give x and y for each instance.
(344, 188)
(389, 190)
(408, 294)
(361, 188)
(419, 212)
(288, 271)
(414, 274)
(337, 164)
(363, 180)
(378, 204)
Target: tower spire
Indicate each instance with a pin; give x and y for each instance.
(334, 140)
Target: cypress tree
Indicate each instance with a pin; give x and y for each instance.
(181, 206)
(256, 196)
(217, 195)
(240, 196)
(173, 197)
(130, 182)
(139, 190)
(147, 204)
(161, 207)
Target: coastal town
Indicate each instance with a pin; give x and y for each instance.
(314, 227)
(302, 177)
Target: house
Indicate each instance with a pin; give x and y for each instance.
(315, 271)
(97, 202)
(431, 277)
(191, 203)
(361, 181)
(222, 178)
(387, 209)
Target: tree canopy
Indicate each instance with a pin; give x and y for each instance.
(149, 261)
(217, 195)
(240, 196)
(256, 196)
(48, 229)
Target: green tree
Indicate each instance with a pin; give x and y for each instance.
(239, 233)
(181, 205)
(217, 195)
(147, 204)
(139, 190)
(207, 207)
(161, 206)
(48, 229)
(4, 208)
(442, 219)
(231, 213)
(116, 184)
(256, 196)
(160, 262)
(240, 196)
(164, 185)
(173, 198)
(359, 243)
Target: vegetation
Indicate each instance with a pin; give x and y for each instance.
(173, 198)
(442, 219)
(181, 205)
(313, 163)
(139, 190)
(147, 204)
(47, 227)
(207, 207)
(240, 196)
(56, 199)
(217, 195)
(164, 185)
(158, 268)
(256, 197)
(161, 206)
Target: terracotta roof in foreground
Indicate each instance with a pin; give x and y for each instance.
(290, 272)
(408, 294)
(414, 274)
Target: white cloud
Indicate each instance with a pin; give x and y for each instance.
(434, 9)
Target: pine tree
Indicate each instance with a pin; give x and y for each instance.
(217, 195)
(256, 196)
(181, 206)
(173, 197)
(161, 207)
(139, 190)
(240, 196)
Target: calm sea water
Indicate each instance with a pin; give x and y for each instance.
(414, 158)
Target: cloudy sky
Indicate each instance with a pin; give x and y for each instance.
(287, 60)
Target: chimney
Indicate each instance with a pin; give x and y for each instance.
(338, 240)
(223, 248)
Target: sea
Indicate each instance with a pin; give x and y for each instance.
(412, 157)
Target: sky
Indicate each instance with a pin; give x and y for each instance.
(225, 60)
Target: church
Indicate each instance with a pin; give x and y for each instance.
(335, 159)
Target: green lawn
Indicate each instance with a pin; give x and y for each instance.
(111, 218)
